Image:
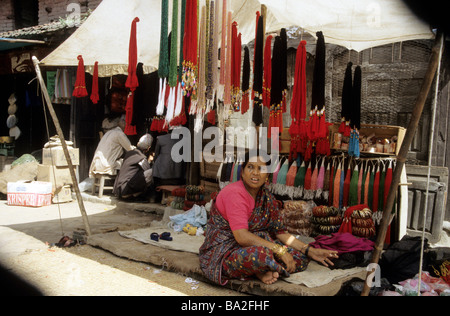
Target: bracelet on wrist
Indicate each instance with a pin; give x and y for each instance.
(307, 250)
(279, 251)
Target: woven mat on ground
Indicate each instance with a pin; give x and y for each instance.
(181, 241)
(180, 260)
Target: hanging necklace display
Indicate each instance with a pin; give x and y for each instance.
(258, 73)
(297, 130)
(159, 121)
(246, 82)
(236, 59)
(132, 81)
(190, 47)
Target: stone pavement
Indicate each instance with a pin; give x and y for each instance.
(27, 233)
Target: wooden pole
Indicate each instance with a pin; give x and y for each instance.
(63, 143)
(401, 158)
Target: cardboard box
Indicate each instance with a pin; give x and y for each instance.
(59, 159)
(64, 195)
(32, 194)
(50, 173)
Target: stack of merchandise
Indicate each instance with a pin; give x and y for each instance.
(297, 215)
(178, 199)
(326, 220)
(195, 195)
(358, 221)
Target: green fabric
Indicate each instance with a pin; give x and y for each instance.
(163, 70)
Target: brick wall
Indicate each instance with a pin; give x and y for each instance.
(52, 10)
(49, 11)
(6, 16)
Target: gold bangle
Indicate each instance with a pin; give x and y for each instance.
(279, 251)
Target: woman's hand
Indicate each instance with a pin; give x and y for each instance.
(288, 260)
(323, 256)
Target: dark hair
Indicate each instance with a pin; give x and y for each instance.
(249, 154)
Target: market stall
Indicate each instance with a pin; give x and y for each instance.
(343, 170)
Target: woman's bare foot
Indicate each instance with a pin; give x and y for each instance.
(268, 277)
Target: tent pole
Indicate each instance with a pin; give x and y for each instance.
(401, 158)
(64, 145)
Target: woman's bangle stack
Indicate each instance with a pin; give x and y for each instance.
(279, 251)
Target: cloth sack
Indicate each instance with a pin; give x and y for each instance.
(401, 260)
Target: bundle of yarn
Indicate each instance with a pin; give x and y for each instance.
(297, 215)
(326, 220)
(178, 199)
(195, 195)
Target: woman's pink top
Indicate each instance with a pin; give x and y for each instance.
(236, 205)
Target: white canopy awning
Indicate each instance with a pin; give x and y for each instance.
(355, 24)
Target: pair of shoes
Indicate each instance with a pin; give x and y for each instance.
(164, 236)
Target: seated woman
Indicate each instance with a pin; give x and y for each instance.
(246, 236)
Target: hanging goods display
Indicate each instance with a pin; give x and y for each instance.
(174, 101)
(80, 84)
(276, 92)
(245, 104)
(317, 125)
(159, 121)
(298, 129)
(94, 93)
(236, 59)
(132, 81)
(258, 73)
(267, 76)
(190, 49)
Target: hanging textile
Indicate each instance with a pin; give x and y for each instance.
(223, 54)
(347, 100)
(355, 115)
(190, 49)
(132, 82)
(94, 93)
(246, 82)
(80, 84)
(236, 60)
(163, 70)
(298, 105)
(283, 69)
(173, 62)
(318, 127)
(267, 78)
(198, 105)
(228, 65)
(258, 73)
(276, 92)
(211, 64)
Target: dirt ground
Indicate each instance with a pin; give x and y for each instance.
(27, 235)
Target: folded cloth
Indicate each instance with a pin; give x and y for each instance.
(343, 243)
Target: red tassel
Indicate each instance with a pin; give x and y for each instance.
(129, 129)
(212, 117)
(132, 80)
(347, 187)
(80, 84)
(94, 94)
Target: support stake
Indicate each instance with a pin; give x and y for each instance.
(63, 143)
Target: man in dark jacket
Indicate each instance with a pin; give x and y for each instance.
(135, 175)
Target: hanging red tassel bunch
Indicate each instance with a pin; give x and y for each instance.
(94, 94)
(80, 84)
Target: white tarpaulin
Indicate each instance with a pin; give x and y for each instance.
(355, 24)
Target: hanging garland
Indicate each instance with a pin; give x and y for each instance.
(190, 48)
(246, 82)
(258, 73)
(267, 78)
(298, 129)
(236, 59)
